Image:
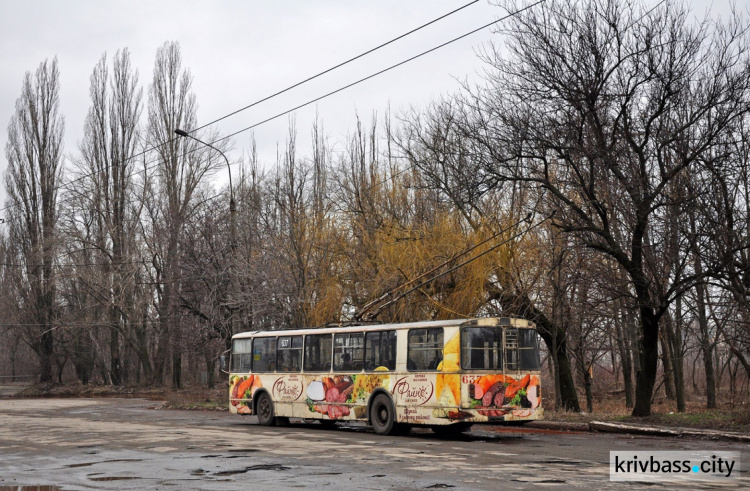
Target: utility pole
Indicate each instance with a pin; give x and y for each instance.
(232, 220)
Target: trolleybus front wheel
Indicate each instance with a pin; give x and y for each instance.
(265, 410)
(382, 415)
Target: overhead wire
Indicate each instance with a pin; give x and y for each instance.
(380, 72)
(340, 89)
(335, 66)
(319, 74)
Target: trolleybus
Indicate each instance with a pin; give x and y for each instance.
(444, 374)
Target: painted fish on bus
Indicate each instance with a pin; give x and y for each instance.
(241, 390)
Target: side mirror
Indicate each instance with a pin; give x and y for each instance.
(223, 361)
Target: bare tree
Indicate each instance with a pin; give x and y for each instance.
(34, 153)
(110, 142)
(182, 164)
(603, 104)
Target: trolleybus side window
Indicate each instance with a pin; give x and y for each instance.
(380, 350)
(318, 353)
(264, 355)
(425, 349)
(289, 354)
(349, 351)
(482, 348)
(528, 346)
(242, 355)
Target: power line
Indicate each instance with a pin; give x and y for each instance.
(144, 152)
(334, 67)
(312, 101)
(512, 14)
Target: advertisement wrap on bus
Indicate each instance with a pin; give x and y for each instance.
(437, 373)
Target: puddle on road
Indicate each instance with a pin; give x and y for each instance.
(113, 478)
(558, 461)
(260, 467)
(540, 480)
(87, 464)
(248, 450)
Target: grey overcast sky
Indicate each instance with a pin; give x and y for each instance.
(240, 51)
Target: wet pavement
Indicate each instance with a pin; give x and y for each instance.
(133, 444)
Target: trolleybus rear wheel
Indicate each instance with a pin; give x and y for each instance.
(382, 415)
(265, 410)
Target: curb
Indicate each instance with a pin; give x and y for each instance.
(604, 427)
(557, 425)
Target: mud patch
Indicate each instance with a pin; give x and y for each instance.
(440, 485)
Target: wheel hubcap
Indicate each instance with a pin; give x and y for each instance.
(382, 415)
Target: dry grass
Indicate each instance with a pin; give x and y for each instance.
(189, 398)
(200, 398)
(77, 389)
(664, 413)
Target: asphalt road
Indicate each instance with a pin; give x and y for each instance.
(133, 444)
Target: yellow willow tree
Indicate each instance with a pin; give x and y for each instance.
(400, 234)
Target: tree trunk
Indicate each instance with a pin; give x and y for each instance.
(666, 361)
(649, 360)
(674, 339)
(587, 379)
(707, 347)
(46, 350)
(568, 394)
(623, 346)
